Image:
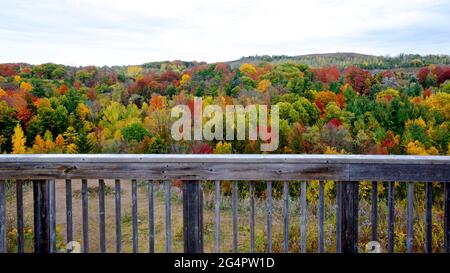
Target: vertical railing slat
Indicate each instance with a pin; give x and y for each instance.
(252, 215)
(286, 215)
(374, 212)
(101, 214)
(410, 218)
(3, 242)
(37, 196)
(235, 215)
(321, 217)
(69, 224)
(217, 207)
(338, 216)
(391, 211)
(447, 217)
(151, 218)
(303, 217)
(134, 215)
(118, 216)
(355, 199)
(85, 212)
(167, 188)
(19, 202)
(428, 217)
(349, 190)
(269, 216)
(52, 214)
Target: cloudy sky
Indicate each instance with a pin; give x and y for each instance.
(113, 32)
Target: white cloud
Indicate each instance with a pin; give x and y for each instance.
(109, 32)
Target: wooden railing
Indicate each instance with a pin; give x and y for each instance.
(347, 170)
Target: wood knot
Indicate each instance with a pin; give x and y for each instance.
(67, 170)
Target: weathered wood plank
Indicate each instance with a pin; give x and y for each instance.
(101, 214)
(339, 196)
(19, 209)
(349, 219)
(217, 207)
(269, 216)
(286, 216)
(134, 214)
(85, 214)
(429, 217)
(399, 172)
(69, 224)
(226, 158)
(41, 216)
(52, 215)
(303, 215)
(251, 191)
(118, 216)
(234, 193)
(167, 189)
(374, 212)
(228, 167)
(410, 219)
(170, 171)
(447, 217)
(193, 216)
(321, 207)
(37, 203)
(390, 230)
(3, 241)
(151, 218)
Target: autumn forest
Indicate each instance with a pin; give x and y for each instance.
(352, 104)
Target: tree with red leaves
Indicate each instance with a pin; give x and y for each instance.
(8, 70)
(202, 148)
(359, 79)
(327, 74)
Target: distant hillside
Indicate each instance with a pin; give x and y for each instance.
(348, 58)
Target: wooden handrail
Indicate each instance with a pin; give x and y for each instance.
(227, 167)
(347, 170)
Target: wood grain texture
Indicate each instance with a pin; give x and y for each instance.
(101, 214)
(85, 214)
(151, 217)
(19, 209)
(227, 167)
(321, 208)
(118, 215)
(69, 224)
(217, 212)
(447, 218)
(3, 242)
(234, 193)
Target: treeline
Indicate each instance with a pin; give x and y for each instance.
(343, 60)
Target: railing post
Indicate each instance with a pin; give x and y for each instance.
(3, 241)
(193, 216)
(348, 235)
(44, 216)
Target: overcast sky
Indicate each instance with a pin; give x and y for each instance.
(112, 32)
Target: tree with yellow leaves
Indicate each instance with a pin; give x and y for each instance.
(263, 85)
(18, 140)
(26, 86)
(248, 70)
(223, 147)
(83, 112)
(134, 72)
(185, 79)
